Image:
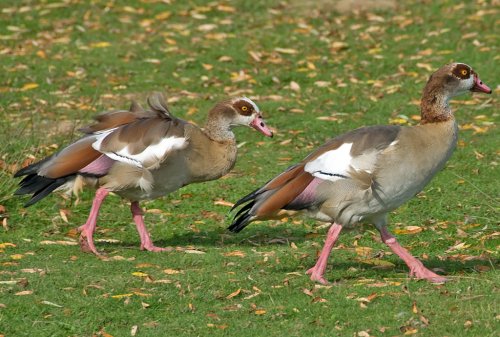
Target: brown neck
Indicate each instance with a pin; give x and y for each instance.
(434, 107)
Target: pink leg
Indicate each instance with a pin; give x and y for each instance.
(318, 270)
(417, 269)
(146, 242)
(87, 230)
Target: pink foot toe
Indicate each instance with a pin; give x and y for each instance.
(420, 272)
(86, 246)
(316, 276)
(153, 248)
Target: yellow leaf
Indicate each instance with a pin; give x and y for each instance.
(100, 45)
(122, 295)
(17, 256)
(163, 15)
(408, 230)
(260, 312)
(6, 244)
(363, 251)
(139, 274)
(169, 271)
(377, 262)
(29, 86)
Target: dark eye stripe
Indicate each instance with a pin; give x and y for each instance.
(462, 71)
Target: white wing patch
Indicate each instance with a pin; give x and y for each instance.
(332, 165)
(151, 156)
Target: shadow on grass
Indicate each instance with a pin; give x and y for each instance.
(341, 262)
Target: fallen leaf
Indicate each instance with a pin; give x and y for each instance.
(222, 202)
(59, 242)
(294, 86)
(29, 86)
(260, 312)
(193, 251)
(52, 304)
(122, 295)
(233, 294)
(169, 271)
(286, 50)
(100, 45)
(133, 330)
(307, 292)
(237, 253)
(408, 230)
(139, 274)
(24, 292)
(377, 262)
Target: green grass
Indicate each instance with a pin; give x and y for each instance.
(86, 58)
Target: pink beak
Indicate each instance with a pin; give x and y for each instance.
(259, 125)
(479, 86)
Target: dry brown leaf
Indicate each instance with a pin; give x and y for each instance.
(169, 271)
(237, 253)
(233, 294)
(222, 202)
(307, 292)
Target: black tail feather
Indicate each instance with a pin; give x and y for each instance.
(240, 222)
(246, 208)
(246, 198)
(39, 186)
(31, 169)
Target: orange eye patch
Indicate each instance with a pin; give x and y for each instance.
(464, 72)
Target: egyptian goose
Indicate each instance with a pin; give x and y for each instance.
(364, 174)
(142, 154)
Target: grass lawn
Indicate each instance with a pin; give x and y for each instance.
(315, 73)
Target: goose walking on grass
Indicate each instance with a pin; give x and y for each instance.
(142, 154)
(364, 174)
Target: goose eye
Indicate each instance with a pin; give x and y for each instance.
(464, 72)
(244, 108)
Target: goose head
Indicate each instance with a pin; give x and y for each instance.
(239, 111)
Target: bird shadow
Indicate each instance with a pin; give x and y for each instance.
(273, 237)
